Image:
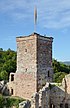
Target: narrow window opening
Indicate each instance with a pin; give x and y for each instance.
(26, 70)
(25, 50)
(12, 77)
(11, 91)
(48, 73)
(52, 106)
(66, 105)
(61, 105)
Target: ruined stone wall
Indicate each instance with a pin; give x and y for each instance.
(11, 85)
(67, 81)
(22, 85)
(53, 95)
(57, 95)
(60, 94)
(41, 99)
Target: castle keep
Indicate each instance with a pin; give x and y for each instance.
(34, 65)
(33, 79)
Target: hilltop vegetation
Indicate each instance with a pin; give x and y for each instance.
(8, 65)
(60, 70)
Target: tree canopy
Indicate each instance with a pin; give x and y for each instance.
(7, 63)
(60, 70)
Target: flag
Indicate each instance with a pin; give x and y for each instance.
(35, 15)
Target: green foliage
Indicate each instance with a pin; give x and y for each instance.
(4, 75)
(60, 70)
(13, 102)
(9, 102)
(7, 63)
(1, 101)
(59, 76)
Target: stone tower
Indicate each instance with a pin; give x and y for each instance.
(34, 64)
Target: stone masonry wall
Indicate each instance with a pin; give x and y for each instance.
(22, 85)
(53, 95)
(34, 64)
(34, 61)
(25, 76)
(60, 94)
(41, 99)
(44, 60)
(26, 54)
(25, 85)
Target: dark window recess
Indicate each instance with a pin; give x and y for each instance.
(26, 70)
(66, 105)
(8, 90)
(61, 105)
(48, 73)
(52, 106)
(25, 50)
(12, 77)
(11, 91)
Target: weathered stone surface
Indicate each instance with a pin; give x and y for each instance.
(55, 95)
(34, 75)
(25, 104)
(34, 65)
(35, 100)
(44, 59)
(4, 88)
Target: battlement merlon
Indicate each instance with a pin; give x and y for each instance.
(34, 35)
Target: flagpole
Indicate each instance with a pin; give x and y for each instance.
(34, 27)
(35, 18)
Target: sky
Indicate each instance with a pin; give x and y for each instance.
(53, 19)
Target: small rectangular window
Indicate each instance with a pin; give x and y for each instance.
(11, 91)
(66, 105)
(48, 73)
(61, 105)
(53, 106)
(12, 77)
(26, 70)
(50, 105)
(25, 50)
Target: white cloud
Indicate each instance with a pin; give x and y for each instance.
(51, 13)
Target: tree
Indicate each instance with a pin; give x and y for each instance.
(7, 62)
(4, 75)
(1, 101)
(1, 49)
(59, 76)
(60, 70)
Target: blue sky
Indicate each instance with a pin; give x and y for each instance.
(17, 19)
